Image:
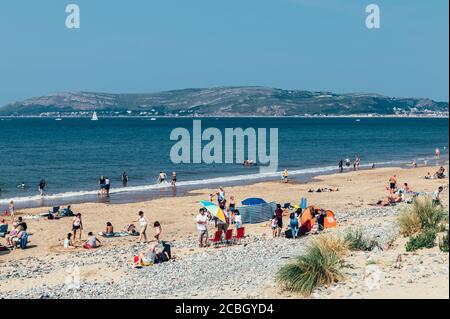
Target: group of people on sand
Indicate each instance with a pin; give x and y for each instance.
(18, 236)
(348, 163)
(205, 219)
(440, 174)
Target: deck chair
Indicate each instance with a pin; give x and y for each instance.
(240, 233)
(229, 236)
(217, 238)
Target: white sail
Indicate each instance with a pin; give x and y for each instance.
(94, 117)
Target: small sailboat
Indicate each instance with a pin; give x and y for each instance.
(58, 118)
(153, 119)
(94, 117)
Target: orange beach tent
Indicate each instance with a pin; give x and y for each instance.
(308, 219)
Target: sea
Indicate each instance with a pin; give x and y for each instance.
(72, 153)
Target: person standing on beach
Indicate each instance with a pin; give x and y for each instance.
(279, 217)
(143, 222)
(77, 226)
(202, 228)
(393, 184)
(12, 211)
(285, 176)
(42, 187)
(341, 166)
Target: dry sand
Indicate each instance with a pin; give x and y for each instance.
(176, 214)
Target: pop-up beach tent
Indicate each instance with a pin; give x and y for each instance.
(308, 219)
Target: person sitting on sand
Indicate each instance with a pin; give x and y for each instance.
(91, 242)
(237, 219)
(437, 196)
(109, 231)
(77, 226)
(12, 234)
(68, 242)
(143, 222)
(158, 230)
(407, 189)
(428, 176)
(440, 174)
(146, 257)
(131, 230)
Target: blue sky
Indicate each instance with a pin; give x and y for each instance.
(148, 45)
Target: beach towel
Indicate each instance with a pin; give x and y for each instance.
(115, 234)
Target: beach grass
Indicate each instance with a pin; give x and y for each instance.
(425, 239)
(357, 240)
(319, 266)
(420, 216)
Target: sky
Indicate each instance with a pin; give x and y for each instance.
(154, 45)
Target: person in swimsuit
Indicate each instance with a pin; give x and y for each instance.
(285, 176)
(232, 205)
(107, 186)
(11, 211)
(438, 153)
(124, 179)
(158, 230)
(347, 163)
(42, 187)
(162, 177)
(174, 178)
(143, 222)
(393, 184)
(341, 166)
(102, 185)
(77, 226)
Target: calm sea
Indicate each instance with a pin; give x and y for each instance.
(71, 154)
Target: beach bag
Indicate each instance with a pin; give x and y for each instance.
(288, 233)
(24, 241)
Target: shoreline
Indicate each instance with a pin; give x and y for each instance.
(143, 193)
(350, 116)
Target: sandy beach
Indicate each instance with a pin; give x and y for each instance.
(358, 191)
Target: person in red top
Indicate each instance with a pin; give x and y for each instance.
(279, 217)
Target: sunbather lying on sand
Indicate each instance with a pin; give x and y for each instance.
(391, 200)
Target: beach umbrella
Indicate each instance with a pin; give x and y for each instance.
(215, 210)
(253, 201)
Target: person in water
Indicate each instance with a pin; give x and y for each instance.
(341, 166)
(285, 176)
(162, 177)
(174, 178)
(124, 179)
(42, 187)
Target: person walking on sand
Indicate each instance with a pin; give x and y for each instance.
(143, 222)
(42, 187)
(11, 211)
(158, 231)
(202, 221)
(77, 226)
